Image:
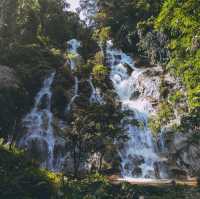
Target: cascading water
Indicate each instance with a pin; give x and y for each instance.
(75, 94)
(96, 94)
(139, 158)
(39, 139)
(40, 136)
(72, 47)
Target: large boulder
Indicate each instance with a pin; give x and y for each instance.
(8, 78)
(184, 153)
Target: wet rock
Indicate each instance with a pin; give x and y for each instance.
(183, 154)
(169, 81)
(44, 102)
(137, 172)
(180, 141)
(136, 160)
(37, 149)
(150, 174)
(142, 62)
(68, 165)
(135, 95)
(118, 57)
(127, 166)
(80, 101)
(45, 119)
(156, 71)
(112, 159)
(179, 173)
(85, 89)
(129, 68)
(93, 162)
(59, 146)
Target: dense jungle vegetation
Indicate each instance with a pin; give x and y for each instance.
(33, 35)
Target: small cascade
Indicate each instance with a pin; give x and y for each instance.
(161, 141)
(39, 139)
(75, 94)
(72, 48)
(139, 158)
(96, 94)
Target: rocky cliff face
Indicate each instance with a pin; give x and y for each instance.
(11, 99)
(182, 150)
(180, 138)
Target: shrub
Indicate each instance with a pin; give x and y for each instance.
(22, 179)
(164, 115)
(100, 72)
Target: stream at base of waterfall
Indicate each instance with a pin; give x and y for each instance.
(138, 154)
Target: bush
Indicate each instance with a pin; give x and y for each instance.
(21, 179)
(100, 72)
(31, 63)
(164, 115)
(13, 104)
(176, 97)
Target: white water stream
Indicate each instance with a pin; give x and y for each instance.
(139, 158)
(72, 48)
(96, 96)
(38, 123)
(75, 94)
(39, 139)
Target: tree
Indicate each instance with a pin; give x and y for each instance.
(94, 130)
(100, 72)
(122, 18)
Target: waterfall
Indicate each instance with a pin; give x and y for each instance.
(96, 94)
(134, 89)
(39, 138)
(161, 140)
(75, 94)
(139, 158)
(72, 47)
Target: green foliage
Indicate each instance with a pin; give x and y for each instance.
(176, 97)
(13, 104)
(21, 179)
(164, 115)
(100, 72)
(152, 44)
(120, 18)
(102, 34)
(31, 63)
(85, 70)
(99, 58)
(180, 20)
(166, 111)
(94, 129)
(45, 22)
(98, 187)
